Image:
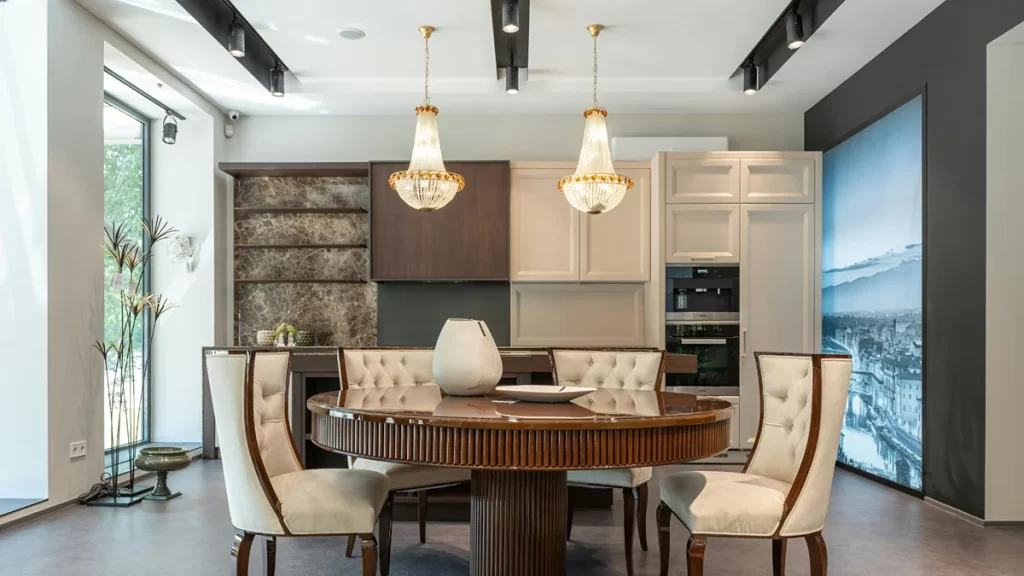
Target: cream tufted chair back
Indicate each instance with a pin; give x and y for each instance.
(616, 369)
(803, 403)
(270, 407)
(248, 504)
(385, 367)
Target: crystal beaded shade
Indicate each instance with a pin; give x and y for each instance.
(426, 185)
(595, 187)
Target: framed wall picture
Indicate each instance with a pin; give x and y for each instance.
(872, 289)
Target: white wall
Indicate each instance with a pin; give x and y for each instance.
(183, 194)
(523, 137)
(1004, 276)
(23, 249)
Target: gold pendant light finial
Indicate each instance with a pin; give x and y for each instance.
(426, 31)
(595, 29)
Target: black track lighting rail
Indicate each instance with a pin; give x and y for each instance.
(142, 93)
(772, 50)
(510, 49)
(216, 17)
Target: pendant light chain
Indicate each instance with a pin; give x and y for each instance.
(426, 70)
(595, 70)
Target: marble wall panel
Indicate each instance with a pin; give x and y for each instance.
(302, 192)
(301, 228)
(302, 263)
(337, 314)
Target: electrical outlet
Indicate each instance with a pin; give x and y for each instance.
(78, 449)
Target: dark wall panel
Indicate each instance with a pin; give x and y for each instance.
(412, 314)
(946, 52)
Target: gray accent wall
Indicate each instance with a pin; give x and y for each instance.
(412, 313)
(947, 53)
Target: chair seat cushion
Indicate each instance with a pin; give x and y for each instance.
(411, 476)
(617, 478)
(725, 503)
(331, 501)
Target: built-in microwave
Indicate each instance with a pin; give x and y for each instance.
(702, 293)
(717, 348)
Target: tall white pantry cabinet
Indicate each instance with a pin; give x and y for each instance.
(758, 210)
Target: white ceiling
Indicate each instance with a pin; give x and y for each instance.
(656, 56)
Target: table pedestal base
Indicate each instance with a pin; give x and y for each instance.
(517, 523)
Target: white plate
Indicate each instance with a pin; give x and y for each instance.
(543, 393)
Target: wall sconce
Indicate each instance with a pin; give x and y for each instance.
(181, 251)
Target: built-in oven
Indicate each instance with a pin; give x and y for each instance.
(717, 348)
(702, 293)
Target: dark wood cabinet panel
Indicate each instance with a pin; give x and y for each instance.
(465, 240)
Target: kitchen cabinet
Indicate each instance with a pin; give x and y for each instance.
(466, 240)
(776, 294)
(545, 229)
(702, 233)
(551, 241)
(616, 246)
(701, 179)
(572, 315)
(788, 179)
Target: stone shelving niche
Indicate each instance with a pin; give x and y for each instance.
(301, 255)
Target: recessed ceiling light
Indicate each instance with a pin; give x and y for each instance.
(351, 33)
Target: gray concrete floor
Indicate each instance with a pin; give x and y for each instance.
(871, 529)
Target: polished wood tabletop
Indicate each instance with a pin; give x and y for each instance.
(519, 452)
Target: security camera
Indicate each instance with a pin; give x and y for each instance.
(234, 115)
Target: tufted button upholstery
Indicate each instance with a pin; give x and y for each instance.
(386, 368)
(632, 370)
(788, 383)
(270, 387)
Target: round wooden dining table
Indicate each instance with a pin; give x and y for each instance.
(519, 452)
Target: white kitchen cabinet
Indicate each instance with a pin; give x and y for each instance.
(702, 233)
(550, 241)
(571, 315)
(782, 180)
(616, 246)
(699, 179)
(545, 229)
(776, 294)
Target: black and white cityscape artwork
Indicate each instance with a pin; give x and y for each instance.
(871, 290)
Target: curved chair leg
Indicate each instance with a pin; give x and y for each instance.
(664, 523)
(384, 523)
(818, 553)
(240, 549)
(628, 514)
(695, 555)
(779, 557)
(568, 517)
(641, 515)
(350, 546)
(421, 513)
(269, 555)
(369, 546)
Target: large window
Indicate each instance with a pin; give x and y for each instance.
(125, 203)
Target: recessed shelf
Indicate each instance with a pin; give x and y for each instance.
(284, 246)
(245, 210)
(278, 281)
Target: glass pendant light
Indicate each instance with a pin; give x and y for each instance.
(595, 187)
(426, 185)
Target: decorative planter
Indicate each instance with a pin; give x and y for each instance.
(466, 360)
(265, 338)
(162, 459)
(304, 338)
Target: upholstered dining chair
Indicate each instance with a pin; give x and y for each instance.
(614, 369)
(783, 491)
(269, 493)
(383, 367)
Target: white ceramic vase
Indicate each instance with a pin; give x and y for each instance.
(466, 360)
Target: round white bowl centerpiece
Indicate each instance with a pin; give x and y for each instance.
(466, 359)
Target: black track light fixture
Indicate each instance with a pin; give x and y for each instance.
(236, 39)
(512, 80)
(170, 129)
(277, 81)
(510, 16)
(750, 79)
(794, 30)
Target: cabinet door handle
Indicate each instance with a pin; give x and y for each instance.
(711, 258)
(743, 344)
